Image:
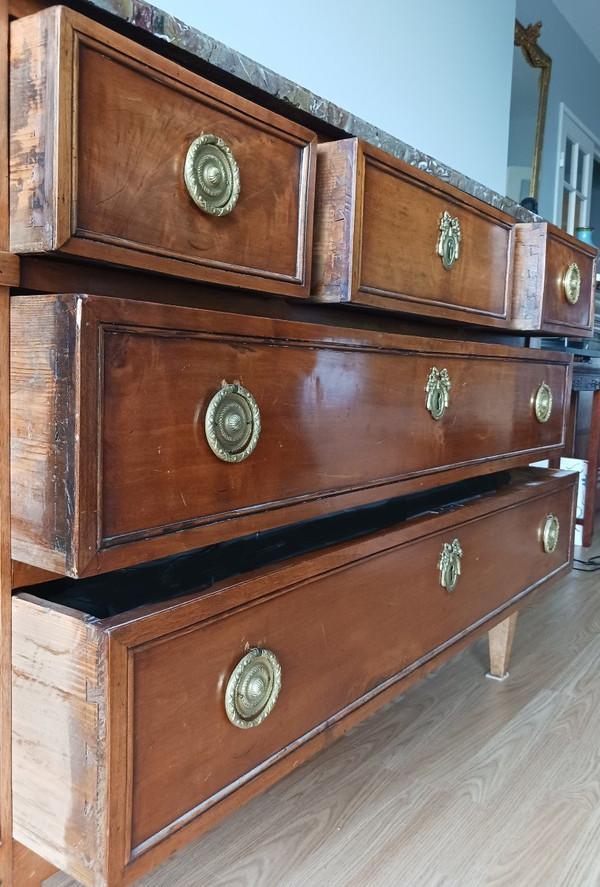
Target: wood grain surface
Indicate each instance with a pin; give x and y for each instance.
(8, 273)
(111, 465)
(542, 255)
(142, 692)
(377, 227)
(560, 316)
(29, 869)
(460, 782)
(100, 128)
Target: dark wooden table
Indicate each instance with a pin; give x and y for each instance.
(587, 378)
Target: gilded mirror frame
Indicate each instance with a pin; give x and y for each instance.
(527, 38)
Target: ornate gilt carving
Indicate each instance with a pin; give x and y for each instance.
(543, 402)
(527, 38)
(211, 175)
(572, 283)
(449, 565)
(232, 423)
(550, 533)
(438, 392)
(252, 689)
(449, 240)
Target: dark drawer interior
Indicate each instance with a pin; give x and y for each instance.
(114, 593)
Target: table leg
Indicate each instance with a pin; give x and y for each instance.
(500, 639)
(592, 473)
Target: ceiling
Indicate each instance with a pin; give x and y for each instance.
(584, 18)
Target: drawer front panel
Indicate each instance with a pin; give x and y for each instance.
(380, 241)
(120, 164)
(322, 408)
(341, 415)
(558, 310)
(337, 638)
(550, 295)
(401, 231)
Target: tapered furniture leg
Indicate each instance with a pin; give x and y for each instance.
(500, 639)
(29, 869)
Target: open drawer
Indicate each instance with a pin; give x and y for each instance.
(554, 281)
(134, 732)
(120, 155)
(388, 235)
(142, 430)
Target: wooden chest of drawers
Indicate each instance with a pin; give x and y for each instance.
(143, 428)
(145, 690)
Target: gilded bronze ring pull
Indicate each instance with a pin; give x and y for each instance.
(211, 175)
(572, 283)
(232, 423)
(449, 240)
(438, 392)
(253, 688)
(550, 533)
(449, 565)
(543, 402)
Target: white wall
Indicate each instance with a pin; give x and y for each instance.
(434, 73)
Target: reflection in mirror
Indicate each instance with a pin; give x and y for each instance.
(529, 99)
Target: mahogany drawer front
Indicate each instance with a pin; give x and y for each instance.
(554, 281)
(106, 181)
(157, 679)
(112, 464)
(377, 233)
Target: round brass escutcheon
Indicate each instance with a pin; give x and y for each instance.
(438, 392)
(572, 283)
(543, 402)
(550, 533)
(253, 688)
(211, 175)
(232, 423)
(449, 240)
(449, 564)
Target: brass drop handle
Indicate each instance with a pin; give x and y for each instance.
(211, 175)
(253, 688)
(550, 533)
(449, 240)
(543, 402)
(232, 423)
(438, 392)
(449, 564)
(572, 283)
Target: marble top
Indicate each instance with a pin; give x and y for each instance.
(164, 26)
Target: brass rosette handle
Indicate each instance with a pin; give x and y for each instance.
(449, 240)
(449, 564)
(550, 533)
(543, 402)
(232, 423)
(572, 283)
(211, 175)
(438, 392)
(253, 688)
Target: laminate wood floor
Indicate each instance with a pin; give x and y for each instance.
(460, 782)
